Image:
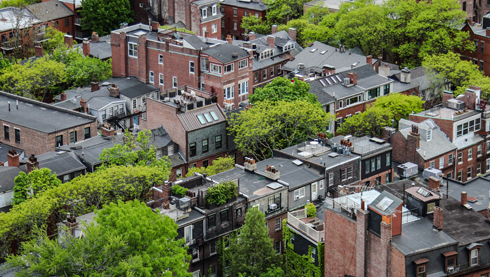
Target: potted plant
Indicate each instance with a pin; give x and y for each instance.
(221, 194)
(178, 191)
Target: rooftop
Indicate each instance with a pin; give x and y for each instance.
(255, 5)
(60, 162)
(447, 113)
(10, 16)
(50, 10)
(224, 52)
(4, 149)
(201, 117)
(477, 188)
(181, 217)
(365, 146)
(8, 174)
(41, 116)
(101, 49)
(90, 149)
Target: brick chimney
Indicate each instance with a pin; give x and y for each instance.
(438, 219)
(63, 96)
(95, 37)
(39, 50)
(446, 95)
(229, 39)
(470, 97)
(83, 104)
(95, 86)
(32, 163)
(464, 198)
(353, 77)
(292, 33)
(434, 183)
(413, 143)
(86, 47)
(251, 36)
(162, 194)
(270, 41)
(68, 41)
(2, 164)
(274, 29)
(107, 131)
(155, 26)
(369, 60)
(13, 158)
(114, 91)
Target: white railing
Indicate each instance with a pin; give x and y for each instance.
(346, 204)
(303, 227)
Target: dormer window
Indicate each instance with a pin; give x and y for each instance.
(429, 135)
(266, 54)
(215, 9)
(204, 12)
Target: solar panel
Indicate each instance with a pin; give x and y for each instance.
(384, 203)
(323, 83)
(329, 82)
(214, 115)
(201, 118)
(208, 117)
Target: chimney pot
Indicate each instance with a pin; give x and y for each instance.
(114, 91)
(63, 96)
(68, 41)
(155, 26)
(229, 39)
(95, 37)
(274, 29)
(83, 105)
(438, 218)
(13, 158)
(353, 77)
(251, 36)
(32, 163)
(39, 50)
(270, 41)
(464, 198)
(292, 33)
(95, 86)
(86, 47)
(369, 60)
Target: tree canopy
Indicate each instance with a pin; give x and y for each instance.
(276, 125)
(103, 16)
(369, 122)
(219, 165)
(126, 239)
(283, 89)
(400, 105)
(29, 185)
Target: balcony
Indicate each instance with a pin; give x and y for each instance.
(312, 227)
(10, 45)
(78, 21)
(40, 37)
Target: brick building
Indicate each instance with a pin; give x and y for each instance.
(475, 10)
(39, 128)
(480, 36)
(233, 12)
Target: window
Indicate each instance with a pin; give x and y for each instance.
(56, 24)
(343, 174)
(215, 69)
(441, 162)
(321, 184)
(432, 164)
(201, 86)
(211, 220)
(192, 148)
(349, 172)
(272, 71)
(160, 59)
(257, 15)
(214, 28)
(299, 193)
(476, 45)
(214, 9)
(67, 22)
(217, 142)
(470, 154)
(367, 163)
(59, 140)
(188, 233)
(450, 160)
(243, 88)
(277, 246)
(73, 137)
(191, 67)
(278, 225)
(460, 175)
(204, 64)
(223, 22)
(204, 12)
(195, 257)
(478, 168)
(133, 49)
(373, 165)
(488, 165)
(429, 135)
(481, 65)
(229, 68)
(386, 89)
(242, 63)
(478, 150)
(373, 93)
(474, 257)
(341, 104)
(17, 135)
(205, 163)
(214, 268)
(264, 74)
(379, 163)
(6, 132)
(224, 215)
(87, 133)
(238, 212)
(464, 6)
(388, 159)
(422, 270)
(256, 77)
(170, 150)
(178, 172)
(245, 13)
(460, 157)
(468, 173)
(330, 179)
(353, 100)
(235, 25)
(467, 127)
(143, 100)
(230, 92)
(160, 78)
(152, 77)
(234, 12)
(174, 82)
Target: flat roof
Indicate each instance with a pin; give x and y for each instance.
(38, 115)
(478, 187)
(446, 113)
(365, 145)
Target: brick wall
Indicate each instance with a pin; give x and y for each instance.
(463, 167)
(446, 125)
(397, 263)
(276, 235)
(377, 249)
(228, 29)
(384, 180)
(119, 54)
(349, 110)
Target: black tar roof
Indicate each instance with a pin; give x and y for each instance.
(101, 49)
(90, 149)
(39, 116)
(60, 163)
(323, 159)
(50, 10)
(477, 187)
(251, 5)
(223, 52)
(4, 149)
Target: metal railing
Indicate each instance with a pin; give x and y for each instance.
(78, 21)
(346, 204)
(294, 219)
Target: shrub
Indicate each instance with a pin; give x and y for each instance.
(310, 210)
(179, 190)
(220, 193)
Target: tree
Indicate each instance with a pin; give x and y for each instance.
(276, 125)
(371, 122)
(316, 13)
(281, 11)
(37, 181)
(310, 210)
(253, 251)
(126, 155)
(126, 239)
(54, 38)
(400, 105)
(82, 70)
(283, 89)
(103, 16)
(307, 32)
(26, 30)
(252, 23)
(4, 62)
(219, 165)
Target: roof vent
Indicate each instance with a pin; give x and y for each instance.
(297, 162)
(234, 55)
(301, 65)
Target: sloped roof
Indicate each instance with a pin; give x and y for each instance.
(191, 122)
(250, 5)
(50, 10)
(390, 208)
(224, 52)
(7, 176)
(60, 163)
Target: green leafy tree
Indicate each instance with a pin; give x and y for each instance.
(283, 89)
(219, 165)
(310, 210)
(316, 13)
(281, 11)
(253, 251)
(29, 185)
(83, 70)
(370, 122)
(126, 239)
(276, 125)
(54, 38)
(4, 63)
(103, 16)
(400, 105)
(253, 24)
(307, 32)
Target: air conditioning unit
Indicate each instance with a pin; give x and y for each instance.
(273, 206)
(346, 81)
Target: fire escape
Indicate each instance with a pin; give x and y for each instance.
(150, 12)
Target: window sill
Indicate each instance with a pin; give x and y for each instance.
(133, 57)
(470, 159)
(460, 162)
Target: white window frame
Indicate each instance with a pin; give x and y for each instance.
(470, 154)
(243, 88)
(441, 162)
(204, 30)
(474, 255)
(229, 92)
(160, 58)
(214, 9)
(204, 12)
(214, 28)
(152, 77)
(460, 157)
(478, 169)
(278, 251)
(188, 233)
(429, 135)
(277, 227)
(229, 65)
(469, 172)
(479, 150)
(321, 184)
(196, 273)
(215, 68)
(160, 78)
(299, 193)
(330, 179)
(132, 48)
(175, 83)
(243, 63)
(450, 159)
(143, 101)
(432, 164)
(235, 25)
(192, 67)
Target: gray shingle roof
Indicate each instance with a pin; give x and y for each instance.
(223, 52)
(7, 176)
(196, 42)
(250, 5)
(50, 10)
(60, 163)
(190, 121)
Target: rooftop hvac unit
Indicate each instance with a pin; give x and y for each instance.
(455, 104)
(273, 206)
(346, 81)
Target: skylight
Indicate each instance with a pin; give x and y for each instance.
(323, 52)
(201, 118)
(329, 82)
(214, 115)
(313, 50)
(208, 117)
(424, 192)
(323, 83)
(338, 78)
(384, 203)
(334, 80)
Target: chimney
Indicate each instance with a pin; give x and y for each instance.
(405, 76)
(32, 163)
(470, 97)
(39, 50)
(229, 39)
(95, 37)
(68, 41)
(63, 96)
(464, 198)
(13, 158)
(384, 70)
(95, 86)
(446, 95)
(251, 36)
(434, 183)
(2, 164)
(413, 143)
(114, 91)
(86, 47)
(487, 31)
(387, 132)
(270, 41)
(155, 26)
(107, 131)
(292, 33)
(369, 60)
(438, 219)
(353, 77)
(274, 29)
(83, 104)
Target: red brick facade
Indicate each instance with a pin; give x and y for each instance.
(478, 57)
(234, 15)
